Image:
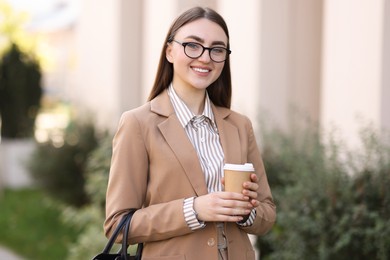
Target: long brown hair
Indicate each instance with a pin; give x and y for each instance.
(220, 91)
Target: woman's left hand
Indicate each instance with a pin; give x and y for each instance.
(250, 190)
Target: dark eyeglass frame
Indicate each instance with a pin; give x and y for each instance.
(210, 49)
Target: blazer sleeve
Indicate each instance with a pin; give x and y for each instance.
(127, 188)
(266, 211)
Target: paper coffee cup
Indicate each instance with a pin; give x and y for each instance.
(236, 175)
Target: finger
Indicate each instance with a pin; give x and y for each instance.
(254, 177)
(238, 211)
(255, 203)
(233, 214)
(226, 195)
(251, 186)
(250, 194)
(228, 206)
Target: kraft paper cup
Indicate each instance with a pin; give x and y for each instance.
(236, 175)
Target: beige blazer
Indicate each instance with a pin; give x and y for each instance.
(155, 167)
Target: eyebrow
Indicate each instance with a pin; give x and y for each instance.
(197, 38)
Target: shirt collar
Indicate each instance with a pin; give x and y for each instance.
(184, 114)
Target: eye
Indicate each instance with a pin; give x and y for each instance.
(193, 46)
(218, 50)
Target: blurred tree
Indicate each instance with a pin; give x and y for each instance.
(20, 93)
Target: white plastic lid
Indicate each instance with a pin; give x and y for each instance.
(248, 167)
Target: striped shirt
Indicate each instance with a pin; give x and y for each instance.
(203, 133)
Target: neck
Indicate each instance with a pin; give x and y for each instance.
(194, 99)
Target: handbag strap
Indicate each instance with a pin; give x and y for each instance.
(118, 229)
(125, 238)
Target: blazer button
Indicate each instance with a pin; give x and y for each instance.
(211, 242)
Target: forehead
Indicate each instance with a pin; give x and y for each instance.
(203, 28)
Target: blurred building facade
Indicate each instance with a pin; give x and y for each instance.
(328, 60)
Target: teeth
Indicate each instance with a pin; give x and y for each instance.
(201, 70)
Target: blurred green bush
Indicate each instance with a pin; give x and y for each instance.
(60, 168)
(90, 218)
(331, 203)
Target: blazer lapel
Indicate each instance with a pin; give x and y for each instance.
(177, 139)
(228, 134)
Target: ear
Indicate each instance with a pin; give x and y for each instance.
(168, 53)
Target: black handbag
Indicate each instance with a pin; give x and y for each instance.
(123, 226)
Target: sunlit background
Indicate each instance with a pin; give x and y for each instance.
(325, 59)
(46, 29)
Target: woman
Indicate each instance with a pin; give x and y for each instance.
(168, 154)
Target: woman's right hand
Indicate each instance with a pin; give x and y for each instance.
(222, 207)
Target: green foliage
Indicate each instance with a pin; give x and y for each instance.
(90, 218)
(30, 225)
(20, 93)
(61, 170)
(331, 203)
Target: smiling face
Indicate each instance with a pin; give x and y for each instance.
(196, 74)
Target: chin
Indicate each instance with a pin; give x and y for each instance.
(201, 85)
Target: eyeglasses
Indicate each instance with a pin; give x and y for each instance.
(194, 50)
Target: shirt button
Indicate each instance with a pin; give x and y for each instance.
(202, 139)
(211, 242)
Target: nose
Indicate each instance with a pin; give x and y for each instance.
(205, 57)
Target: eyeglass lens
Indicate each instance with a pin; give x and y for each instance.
(195, 50)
